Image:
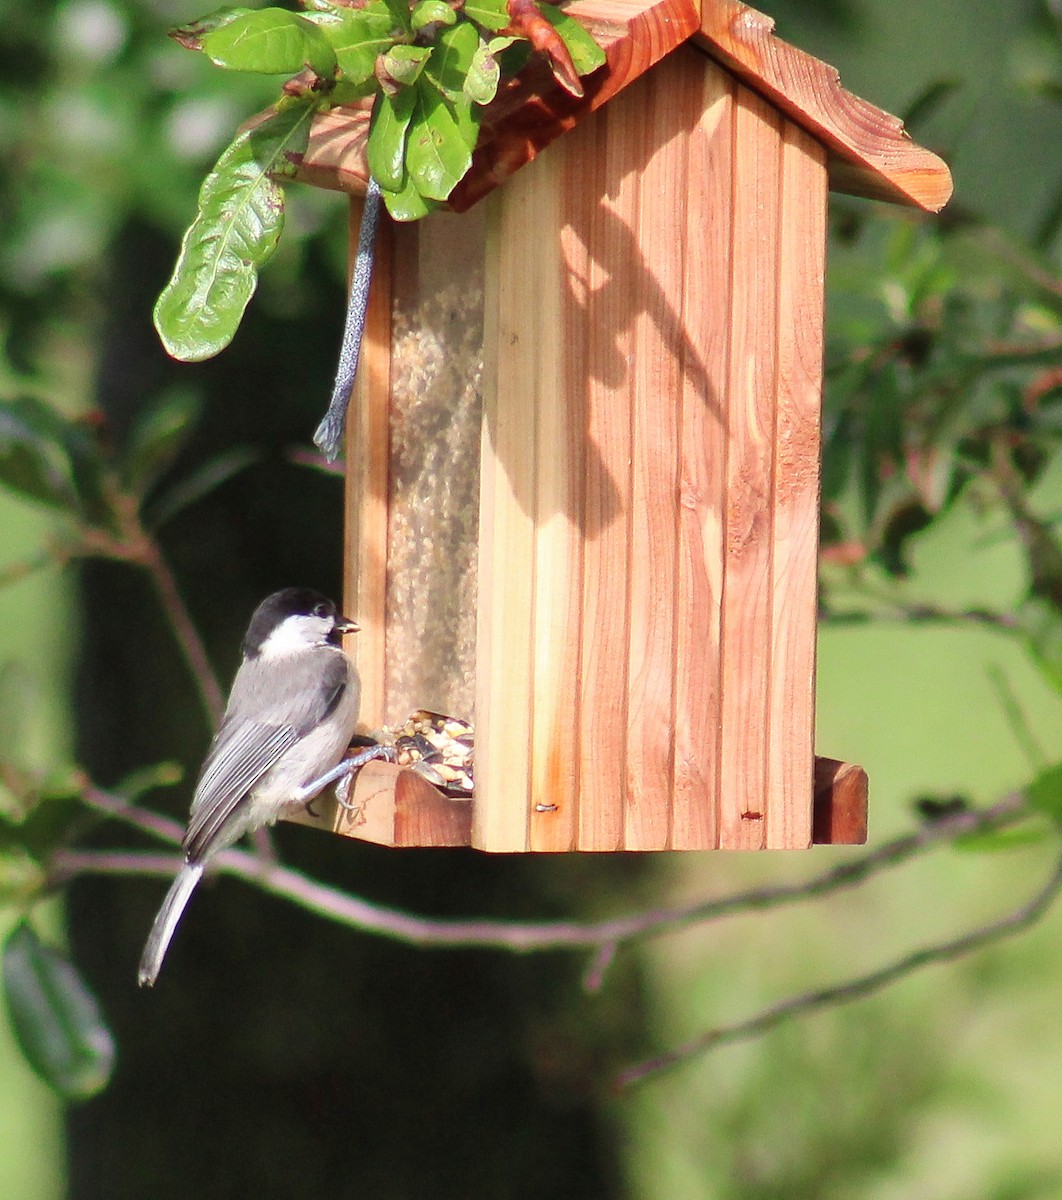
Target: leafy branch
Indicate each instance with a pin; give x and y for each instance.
(428, 66)
(110, 501)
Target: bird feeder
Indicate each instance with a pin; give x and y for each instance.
(583, 456)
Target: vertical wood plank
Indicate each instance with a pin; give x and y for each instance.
(365, 498)
(555, 272)
(801, 314)
(747, 583)
(671, 97)
(606, 222)
(702, 467)
(507, 488)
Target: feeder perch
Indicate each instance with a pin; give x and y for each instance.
(583, 452)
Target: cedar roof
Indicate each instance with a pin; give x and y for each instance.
(870, 154)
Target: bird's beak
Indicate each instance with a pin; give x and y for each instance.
(346, 625)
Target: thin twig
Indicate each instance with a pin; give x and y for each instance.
(850, 990)
(68, 863)
(152, 823)
(922, 614)
(594, 976)
(526, 937)
(191, 644)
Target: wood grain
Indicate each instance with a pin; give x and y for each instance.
(707, 299)
(603, 214)
(748, 537)
(671, 99)
(559, 402)
(505, 616)
(794, 617)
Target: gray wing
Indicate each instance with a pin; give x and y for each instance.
(270, 708)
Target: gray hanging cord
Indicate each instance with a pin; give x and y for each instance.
(329, 435)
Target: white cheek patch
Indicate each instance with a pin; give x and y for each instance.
(294, 634)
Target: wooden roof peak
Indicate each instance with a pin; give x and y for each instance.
(870, 154)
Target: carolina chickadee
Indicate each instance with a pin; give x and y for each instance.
(289, 720)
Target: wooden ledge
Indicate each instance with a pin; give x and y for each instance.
(399, 808)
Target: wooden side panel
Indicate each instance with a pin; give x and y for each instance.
(560, 267)
(647, 575)
(746, 605)
(505, 616)
(672, 105)
(603, 217)
(801, 316)
(365, 502)
(703, 455)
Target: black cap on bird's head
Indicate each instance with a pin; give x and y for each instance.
(320, 613)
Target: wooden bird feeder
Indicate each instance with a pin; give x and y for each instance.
(583, 456)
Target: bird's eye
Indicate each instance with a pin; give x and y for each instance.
(320, 610)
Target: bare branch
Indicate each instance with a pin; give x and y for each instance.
(184, 630)
(529, 936)
(858, 988)
(152, 823)
(68, 863)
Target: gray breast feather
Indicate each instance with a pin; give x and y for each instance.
(272, 706)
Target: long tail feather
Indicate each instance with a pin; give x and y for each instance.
(166, 922)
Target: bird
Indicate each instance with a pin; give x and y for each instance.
(289, 719)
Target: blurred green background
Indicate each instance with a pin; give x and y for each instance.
(287, 1058)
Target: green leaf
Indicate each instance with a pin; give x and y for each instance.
(55, 1017)
(73, 469)
(159, 433)
(432, 12)
(270, 41)
(491, 14)
(407, 204)
(358, 37)
(1045, 792)
(22, 878)
(348, 93)
(451, 58)
(388, 130)
(240, 218)
(404, 63)
(586, 54)
(437, 153)
(467, 115)
(484, 75)
(190, 36)
(29, 458)
(399, 10)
